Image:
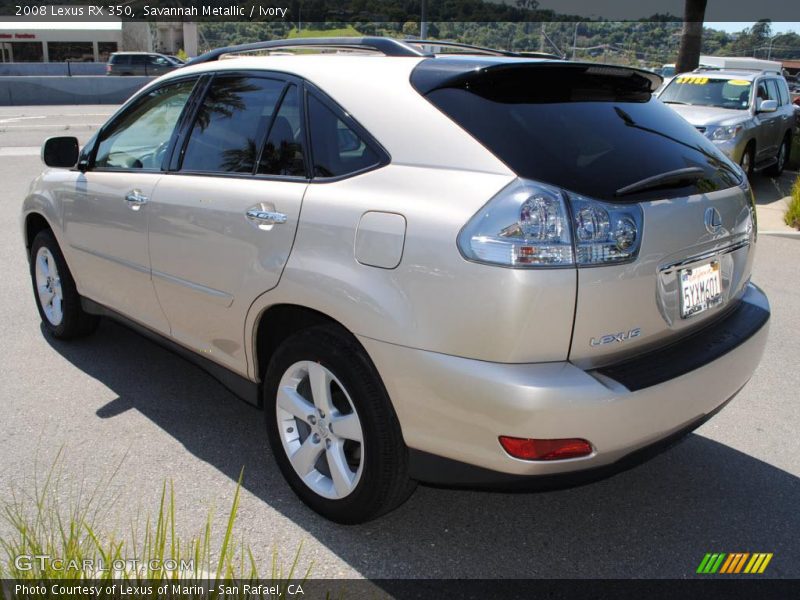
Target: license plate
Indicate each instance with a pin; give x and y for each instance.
(700, 289)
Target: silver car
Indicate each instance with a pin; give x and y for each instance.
(747, 114)
(480, 270)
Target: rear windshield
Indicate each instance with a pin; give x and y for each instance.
(592, 134)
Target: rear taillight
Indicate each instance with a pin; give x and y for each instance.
(531, 449)
(529, 224)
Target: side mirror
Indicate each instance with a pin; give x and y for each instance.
(768, 106)
(60, 152)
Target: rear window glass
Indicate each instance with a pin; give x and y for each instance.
(120, 59)
(589, 134)
(337, 149)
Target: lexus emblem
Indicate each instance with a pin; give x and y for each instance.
(713, 220)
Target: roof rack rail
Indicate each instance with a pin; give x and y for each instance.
(385, 45)
(460, 46)
(748, 69)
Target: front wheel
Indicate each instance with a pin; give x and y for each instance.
(332, 428)
(781, 159)
(746, 162)
(54, 289)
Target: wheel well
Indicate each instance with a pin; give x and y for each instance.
(34, 223)
(279, 322)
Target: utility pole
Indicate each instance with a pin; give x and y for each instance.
(542, 39)
(423, 23)
(575, 39)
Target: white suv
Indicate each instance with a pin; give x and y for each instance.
(473, 269)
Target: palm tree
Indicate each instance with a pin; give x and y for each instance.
(694, 12)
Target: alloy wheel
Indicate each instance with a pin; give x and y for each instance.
(745, 164)
(320, 430)
(48, 286)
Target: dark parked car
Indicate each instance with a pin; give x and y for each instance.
(140, 63)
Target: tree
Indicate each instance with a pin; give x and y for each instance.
(694, 12)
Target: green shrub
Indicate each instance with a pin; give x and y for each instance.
(792, 216)
(794, 155)
(63, 520)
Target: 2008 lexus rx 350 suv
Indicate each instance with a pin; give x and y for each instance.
(472, 269)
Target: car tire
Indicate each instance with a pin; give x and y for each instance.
(746, 162)
(57, 298)
(781, 159)
(314, 434)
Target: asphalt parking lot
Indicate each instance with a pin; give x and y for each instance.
(732, 486)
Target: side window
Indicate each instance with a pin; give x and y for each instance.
(138, 59)
(783, 90)
(772, 90)
(231, 123)
(283, 153)
(139, 139)
(337, 150)
(157, 60)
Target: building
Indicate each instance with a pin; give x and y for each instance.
(87, 41)
(792, 68)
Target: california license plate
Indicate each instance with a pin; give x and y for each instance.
(700, 289)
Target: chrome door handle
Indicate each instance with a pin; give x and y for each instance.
(265, 217)
(135, 199)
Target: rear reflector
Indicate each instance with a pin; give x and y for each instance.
(528, 449)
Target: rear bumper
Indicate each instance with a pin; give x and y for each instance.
(455, 408)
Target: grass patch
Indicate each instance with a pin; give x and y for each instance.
(792, 216)
(63, 520)
(348, 31)
(794, 155)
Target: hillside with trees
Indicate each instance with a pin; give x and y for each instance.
(650, 42)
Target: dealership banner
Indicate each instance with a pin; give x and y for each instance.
(377, 11)
(357, 589)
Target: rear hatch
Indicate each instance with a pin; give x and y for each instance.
(596, 132)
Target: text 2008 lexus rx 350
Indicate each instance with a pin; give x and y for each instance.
(471, 269)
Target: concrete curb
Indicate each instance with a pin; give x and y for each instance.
(787, 234)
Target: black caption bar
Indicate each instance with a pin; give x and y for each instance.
(382, 11)
(403, 589)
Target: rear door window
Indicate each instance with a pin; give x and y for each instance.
(284, 151)
(231, 124)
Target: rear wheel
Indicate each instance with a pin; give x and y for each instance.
(746, 162)
(332, 428)
(54, 289)
(781, 159)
